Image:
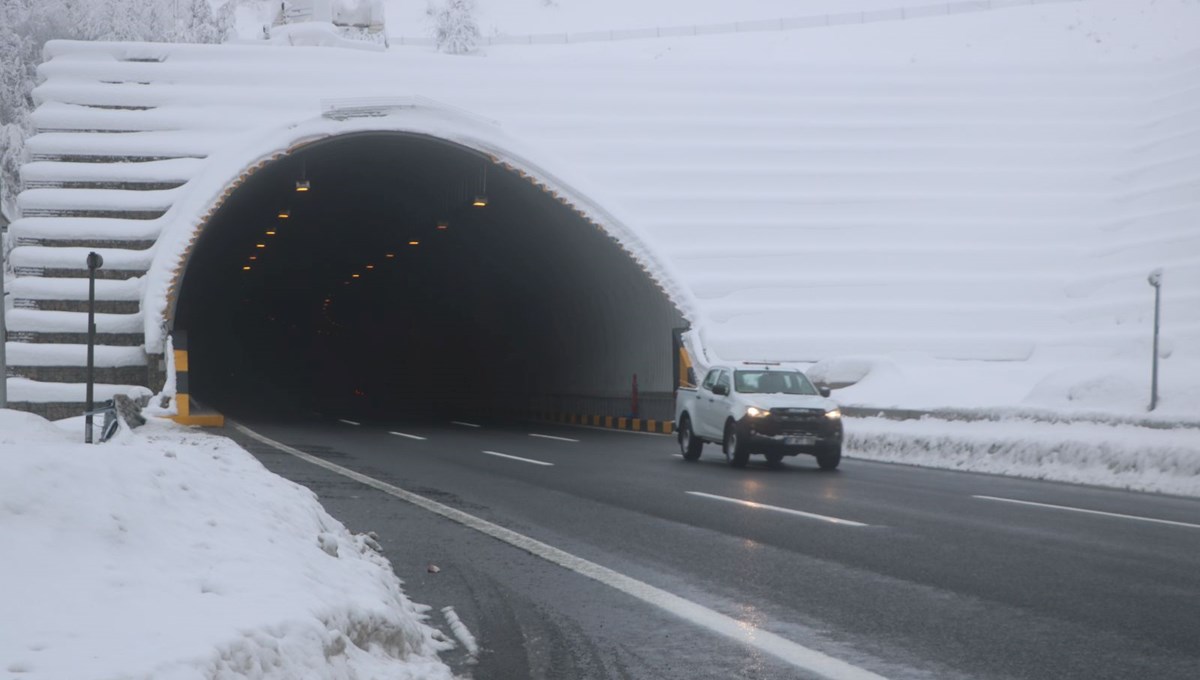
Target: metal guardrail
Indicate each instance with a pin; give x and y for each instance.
(783, 24)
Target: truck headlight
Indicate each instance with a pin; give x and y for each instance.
(835, 414)
(755, 412)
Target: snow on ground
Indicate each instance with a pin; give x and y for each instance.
(1100, 388)
(1098, 30)
(1142, 459)
(172, 554)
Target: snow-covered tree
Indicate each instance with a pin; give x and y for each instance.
(454, 27)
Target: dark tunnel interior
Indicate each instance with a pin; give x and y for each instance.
(383, 291)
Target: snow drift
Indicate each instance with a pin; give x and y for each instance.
(173, 554)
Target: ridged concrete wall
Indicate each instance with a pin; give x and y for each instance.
(764, 193)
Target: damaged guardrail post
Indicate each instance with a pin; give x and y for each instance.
(94, 262)
(1155, 280)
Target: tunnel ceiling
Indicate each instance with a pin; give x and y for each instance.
(359, 302)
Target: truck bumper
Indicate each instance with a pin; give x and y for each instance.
(765, 436)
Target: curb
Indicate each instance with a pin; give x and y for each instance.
(609, 422)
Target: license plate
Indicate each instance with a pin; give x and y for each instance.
(800, 441)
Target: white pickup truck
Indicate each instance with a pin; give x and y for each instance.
(759, 409)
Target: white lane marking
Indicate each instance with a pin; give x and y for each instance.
(348, 422)
(461, 631)
(523, 460)
(459, 422)
(410, 436)
(1090, 512)
(742, 631)
(761, 506)
(557, 439)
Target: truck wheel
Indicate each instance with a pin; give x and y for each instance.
(829, 457)
(689, 444)
(735, 450)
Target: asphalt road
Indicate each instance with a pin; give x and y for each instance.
(937, 582)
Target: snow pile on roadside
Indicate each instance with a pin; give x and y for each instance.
(317, 34)
(1122, 456)
(174, 554)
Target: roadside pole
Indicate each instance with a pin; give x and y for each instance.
(94, 262)
(1155, 280)
(3, 326)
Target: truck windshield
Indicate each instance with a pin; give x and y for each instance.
(773, 382)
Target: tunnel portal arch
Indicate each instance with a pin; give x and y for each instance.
(565, 305)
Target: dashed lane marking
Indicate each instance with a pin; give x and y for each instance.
(348, 422)
(775, 508)
(523, 460)
(550, 436)
(410, 436)
(1090, 512)
(459, 422)
(742, 631)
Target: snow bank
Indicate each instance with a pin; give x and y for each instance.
(24, 389)
(317, 34)
(51, 321)
(1141, 459)
(847, 370)
(45, 354)
(175, 555)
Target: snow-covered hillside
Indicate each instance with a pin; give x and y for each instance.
(963, 207)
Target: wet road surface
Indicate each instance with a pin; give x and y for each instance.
(899, 571)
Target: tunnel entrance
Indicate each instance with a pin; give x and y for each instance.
(359, 276)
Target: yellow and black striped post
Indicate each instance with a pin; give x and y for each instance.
(685, 375)
(183, 401)
(609, 422)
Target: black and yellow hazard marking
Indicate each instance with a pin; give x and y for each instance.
(684, 371)
(610, 422)
(184, 414)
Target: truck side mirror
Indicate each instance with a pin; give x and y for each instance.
(825, 391)
(722, 390)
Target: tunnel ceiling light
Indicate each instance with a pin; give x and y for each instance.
(443, 225)
(414, 243)
(391, 255)
(355, 276)
(480, 201)
(246, 268)
(302, 186)
(284, 214)
(271, 232)
(253, 258)
(260, 245)
(370, 266)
